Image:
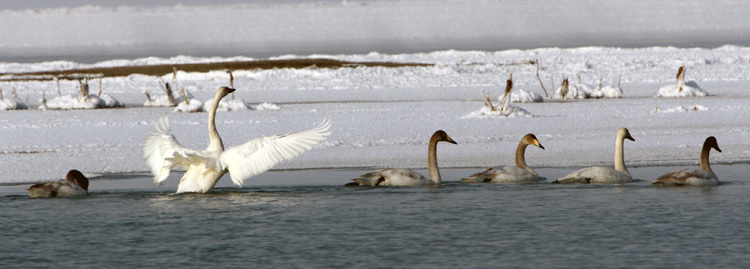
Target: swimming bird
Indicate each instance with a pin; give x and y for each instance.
(519, 173)
(74, 184)
(704, 176)
(618, 175)
(407, 177)
(205, 167)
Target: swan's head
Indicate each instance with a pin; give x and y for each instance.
(681, 72)
(530, 139)
(711, 142)
(509, 84)
(223, 91)
(78, 178)
(440, 135)
(623, 133)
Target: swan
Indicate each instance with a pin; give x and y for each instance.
(607, 91)
(85, 101)
(682, 88)
(618, 175)
(504, 110)
(703, 176)
(74, 184)
(166, 100)
(407, 177)
(519, 173)
(567, 91)
(205, 167)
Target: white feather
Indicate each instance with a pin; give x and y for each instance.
(160, 150)
(258, 155)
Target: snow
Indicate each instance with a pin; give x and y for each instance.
(10, 104)
(382, 117)
(508, 112)
(683, 109)
(227, 104)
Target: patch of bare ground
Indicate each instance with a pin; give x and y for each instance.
(163, 69)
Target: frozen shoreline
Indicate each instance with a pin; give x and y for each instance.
(383, 116)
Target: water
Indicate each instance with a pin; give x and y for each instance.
(307, 219)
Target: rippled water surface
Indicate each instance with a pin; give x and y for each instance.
(307, 219)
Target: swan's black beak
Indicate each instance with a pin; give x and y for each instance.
(450, 140)
(230, 90)
(629, 138)
(540, 145)
(717, 148)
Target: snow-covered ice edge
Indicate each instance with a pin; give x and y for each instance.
(383, 116)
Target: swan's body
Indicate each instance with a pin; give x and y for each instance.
(505, 109)
(519, 173)
(67, 102)
(567, 91)
(195, 105)
(204, 168)
(607, 91)
(682, 88)
(696, 177)
(522, 96)
(166, 100)
(74, 184)
(407, 177)
(607, 175)
(160, 101)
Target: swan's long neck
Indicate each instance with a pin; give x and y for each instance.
(520, 157)
(704, 158)
(214, 139)
(681, 77)
(620, 155)
(432, 165)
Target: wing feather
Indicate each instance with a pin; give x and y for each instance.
(161, 148)
(258, 155)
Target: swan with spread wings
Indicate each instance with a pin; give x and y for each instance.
(203, 168)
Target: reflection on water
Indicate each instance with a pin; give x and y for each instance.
(286, 219)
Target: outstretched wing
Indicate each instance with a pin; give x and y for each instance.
(258, 155)
(160, 149)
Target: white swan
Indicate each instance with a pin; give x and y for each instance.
(504, 110)
(407, 177)
(618, 175)
(519, 173)
(522, 96)
(682, 88)
(607, 91)
(204, 168)
(74, 184)
(85, 101)
(703, 176)
(166, 100)
(567, 91)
